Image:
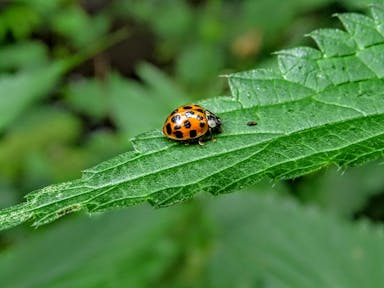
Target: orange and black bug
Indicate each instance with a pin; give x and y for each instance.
(191, 123)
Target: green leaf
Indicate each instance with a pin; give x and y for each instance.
(331, 188)
(313, 112)
(18, 91)
(81, 92)
(251, 240)
(73, 23)
(18, 20)
(26, 55)
(132, 236)
(273, 242)
(15, 150)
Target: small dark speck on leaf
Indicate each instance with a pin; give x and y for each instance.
(251, 123)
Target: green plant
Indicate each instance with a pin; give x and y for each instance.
(320, 108)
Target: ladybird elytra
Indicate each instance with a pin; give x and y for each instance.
(191, 123)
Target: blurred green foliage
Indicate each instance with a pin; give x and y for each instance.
(57, 118)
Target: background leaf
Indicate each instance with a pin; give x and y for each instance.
(284, 245)
(18, 92)
(263, 240)
(331, 188)
(25, 55)
(89, 239)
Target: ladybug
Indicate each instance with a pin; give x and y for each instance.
(191, 123)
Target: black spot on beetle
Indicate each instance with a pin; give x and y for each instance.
(187, 124)
(175, 118)
(177, 127)
(192, 133)
(200, 110)
(189, 114)
(198, 117)
(202, 124)
(178, 134)
(187, 107)
(174, 112)
(168, 128)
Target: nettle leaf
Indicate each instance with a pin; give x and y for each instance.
(131, 235)
(258, 241)
(18, 91)
(320, 108)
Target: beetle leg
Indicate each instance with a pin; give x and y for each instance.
(213, 139)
